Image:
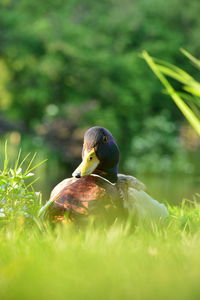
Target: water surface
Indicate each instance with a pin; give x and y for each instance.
(172, 189)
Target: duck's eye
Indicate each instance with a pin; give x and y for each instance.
(90, 158)
(105, 139)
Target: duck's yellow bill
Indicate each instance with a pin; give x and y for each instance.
(88, 165)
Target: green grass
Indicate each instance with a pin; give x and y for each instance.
(117, 262)
(109, 263)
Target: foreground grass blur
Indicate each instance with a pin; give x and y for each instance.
(117, 262)
(110, 263)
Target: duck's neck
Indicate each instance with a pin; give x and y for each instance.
(109, 174)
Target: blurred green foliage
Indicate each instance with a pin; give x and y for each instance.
(69, 65)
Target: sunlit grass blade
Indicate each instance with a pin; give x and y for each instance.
(180, 74)
(6, 160)
(44, 208)
(194, 90)
(192, 102)
(30, 163)
(17, 160)
(190, 84)
(35, 166)
(174, 74)
(190, 99)
(185, 109)
(31, 183)
(24, 159)
(191, 58)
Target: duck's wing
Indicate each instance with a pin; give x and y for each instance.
(144, 206)
(130, 181)
(139, 202)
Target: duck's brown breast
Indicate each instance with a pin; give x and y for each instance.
(84, 196)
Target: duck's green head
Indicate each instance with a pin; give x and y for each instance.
(100, 155)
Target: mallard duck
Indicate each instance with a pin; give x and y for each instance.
(97, 189)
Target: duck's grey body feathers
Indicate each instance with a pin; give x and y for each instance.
(138, 202)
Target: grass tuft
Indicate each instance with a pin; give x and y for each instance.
(19, 202)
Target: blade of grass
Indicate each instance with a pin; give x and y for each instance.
(189, 98)
(30, 163)
(6, 160)
(17, 160)
(192, 90)
(34, 181)
(25, 158)
(191, 58)
(175, 69)
(33, 168)
(190, 116)
(173, 74)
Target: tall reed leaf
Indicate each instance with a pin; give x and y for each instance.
(163, 70)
